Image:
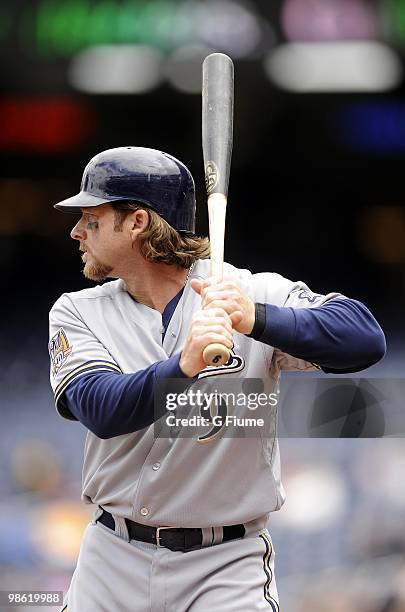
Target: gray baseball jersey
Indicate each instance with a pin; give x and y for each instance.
(171, 481)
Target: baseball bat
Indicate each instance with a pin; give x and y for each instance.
(217, 138)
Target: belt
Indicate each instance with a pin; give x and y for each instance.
(175, 538)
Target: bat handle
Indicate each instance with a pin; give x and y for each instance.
(216, 354)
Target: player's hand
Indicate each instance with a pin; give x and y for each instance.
(208, 326)
(228, 295)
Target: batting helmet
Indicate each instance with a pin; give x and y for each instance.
(150, 177)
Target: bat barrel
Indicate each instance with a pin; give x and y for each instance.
(217, 128)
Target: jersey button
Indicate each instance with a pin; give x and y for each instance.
(144, 511)
(162, 329)
(156, 466)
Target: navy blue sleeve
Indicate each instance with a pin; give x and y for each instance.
(341, 336)
(112, 404)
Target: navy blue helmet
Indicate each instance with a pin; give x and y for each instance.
(150, 177)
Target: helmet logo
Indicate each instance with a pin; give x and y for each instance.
(211, 176)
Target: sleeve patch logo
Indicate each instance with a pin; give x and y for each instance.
(59, 350)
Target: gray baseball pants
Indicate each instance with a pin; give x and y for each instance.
(115, 575)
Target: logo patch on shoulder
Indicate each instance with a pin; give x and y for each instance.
(59, 350)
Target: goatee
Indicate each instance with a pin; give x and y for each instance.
(96, 271)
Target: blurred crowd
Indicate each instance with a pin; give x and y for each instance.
(340, 537)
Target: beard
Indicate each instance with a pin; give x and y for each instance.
(96, 271)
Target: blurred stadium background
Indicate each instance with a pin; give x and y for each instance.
(316, 194)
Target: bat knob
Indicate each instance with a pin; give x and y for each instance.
(216, 354)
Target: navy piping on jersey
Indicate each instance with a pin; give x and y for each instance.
(90, 366)
(341, 336)
(112, 404)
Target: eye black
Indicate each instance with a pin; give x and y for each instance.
(92, 225)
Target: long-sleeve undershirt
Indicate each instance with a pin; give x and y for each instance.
(341, 336)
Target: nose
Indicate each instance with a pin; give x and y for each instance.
(78, 232)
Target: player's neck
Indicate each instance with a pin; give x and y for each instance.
(156, 284)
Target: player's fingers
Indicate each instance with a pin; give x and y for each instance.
(225, 283)
(228, 305)
(212, 337)
(236, 317)
(196, 285)
(209, 294)
(211, 282)
(220, 312)
(218, 330)
(230, 284)
(218, 322)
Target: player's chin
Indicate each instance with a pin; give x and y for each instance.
(96, 271)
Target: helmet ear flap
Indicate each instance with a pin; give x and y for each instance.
(145, 176)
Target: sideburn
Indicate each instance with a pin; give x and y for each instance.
(119, 218)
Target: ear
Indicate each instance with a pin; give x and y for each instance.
(139, 221)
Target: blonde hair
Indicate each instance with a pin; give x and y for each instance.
(161, 243)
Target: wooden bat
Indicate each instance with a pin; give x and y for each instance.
(217, 138)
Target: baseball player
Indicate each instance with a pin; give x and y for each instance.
(179, 525)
